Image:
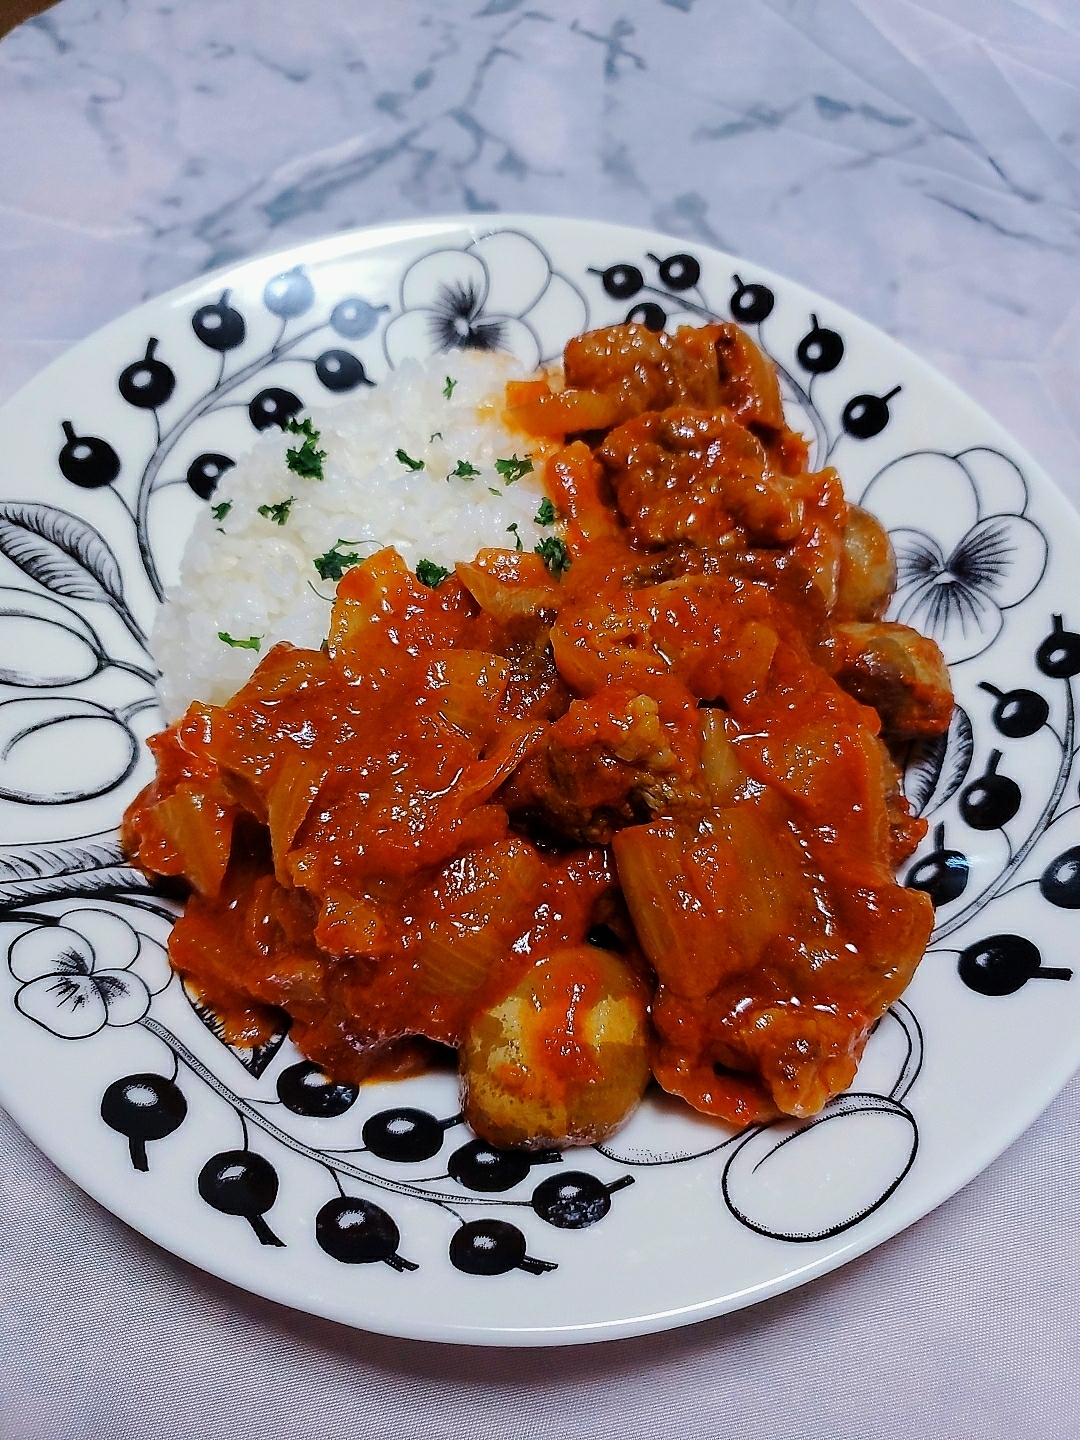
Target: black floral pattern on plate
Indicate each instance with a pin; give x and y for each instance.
(82, 969)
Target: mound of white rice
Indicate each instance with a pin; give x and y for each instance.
(246, 576)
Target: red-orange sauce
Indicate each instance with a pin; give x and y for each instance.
(659, 751)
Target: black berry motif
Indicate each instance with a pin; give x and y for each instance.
(679, 272)
(143, 1107)
(219, 326)
(1002, 964)
(239, 1182)
(406, 1135)
(340, 370)
(867, 415)
(354, 318)
(820, 350)
(622, 281)
(87, 460)
(356, 1232)
(1018, 713)
(479, 1166)
(750, 304)
(222, 327)
(576, 1199)
(273, 406)
(492, 1247)
(1059, 654)
(305, 1089)
(1060, 881)
(992, 800)
(147, 383)
(943, 874)
(205, 471)
(289, 294)
(649, 314)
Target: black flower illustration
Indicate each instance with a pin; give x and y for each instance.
(965, 551)
(498, 293)
(91, 970)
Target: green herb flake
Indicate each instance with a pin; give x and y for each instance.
(220, 511)
(306, 459)
(435, 435)
(513, 469)
(492, 491)
(428, 573)
(554, 554)
(513, 530)
(336, 561)
(546, 514)
(408, 461)
(278, 513)
(450, 386)
(464, 471)
(251, 643)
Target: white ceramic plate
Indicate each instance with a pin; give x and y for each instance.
(107, 457)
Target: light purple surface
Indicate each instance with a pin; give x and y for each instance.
(921, 163)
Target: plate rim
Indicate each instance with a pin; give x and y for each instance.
(366, 239)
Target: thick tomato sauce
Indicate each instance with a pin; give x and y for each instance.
(664, 751)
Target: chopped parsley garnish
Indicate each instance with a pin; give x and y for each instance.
(278, 513)
(554, 554)
(513, 469)
(435, 435)
(305, 460)
(492, 491)
(408, 461)
(220, 511)
(430, 574)
(546, 514)
(450, 386)
(464, 471)
(335, 562)
(251, 643)
(513, 530)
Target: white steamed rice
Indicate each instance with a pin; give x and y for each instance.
(248, 576)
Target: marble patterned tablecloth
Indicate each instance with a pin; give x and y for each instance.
(919, 162)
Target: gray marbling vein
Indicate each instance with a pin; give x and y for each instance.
(920, 162)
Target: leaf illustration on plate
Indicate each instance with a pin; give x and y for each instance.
(65, 554)
(782, 1179)
(61, 750)
(45, 644)
(934, 769)
(87, 865)
(254, 1058)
